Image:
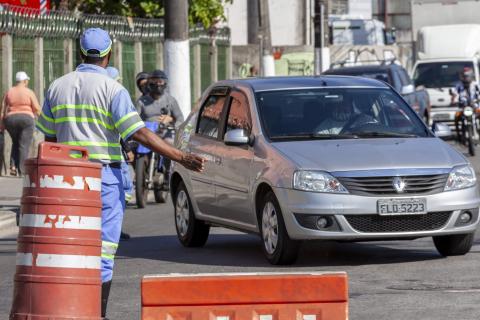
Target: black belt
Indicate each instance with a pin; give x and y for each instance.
(115, 165)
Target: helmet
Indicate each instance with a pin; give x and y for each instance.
(158, 74)
(139, 78)
(467, 75)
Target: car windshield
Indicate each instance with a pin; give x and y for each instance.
(337, 113)
(439, 74)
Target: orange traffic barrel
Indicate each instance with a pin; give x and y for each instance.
(59, 240)
(290, 296)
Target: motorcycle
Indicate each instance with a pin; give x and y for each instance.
(466, 117)
(151, 169)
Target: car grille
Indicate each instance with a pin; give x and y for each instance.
(405, 223)
(425, 184)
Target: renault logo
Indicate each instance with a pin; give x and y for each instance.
(399, 184)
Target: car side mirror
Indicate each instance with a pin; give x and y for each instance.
(408, 89)
(442, 131)
(236, 137)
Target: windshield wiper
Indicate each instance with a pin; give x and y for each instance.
(375, 134)
(314, 136)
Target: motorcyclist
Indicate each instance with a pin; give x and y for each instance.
(158, 105)
(467, 92)
(141, 80)
(466, 89)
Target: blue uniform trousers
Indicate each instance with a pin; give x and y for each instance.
(127, 181)
(113, 206)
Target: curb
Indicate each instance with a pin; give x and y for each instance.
(8, 223)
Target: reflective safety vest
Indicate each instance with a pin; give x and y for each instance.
(89, 109)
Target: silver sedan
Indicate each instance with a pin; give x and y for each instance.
(338, 158)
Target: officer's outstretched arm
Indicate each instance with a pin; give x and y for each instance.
(151, 140)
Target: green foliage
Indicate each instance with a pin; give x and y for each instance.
(207, 12)
(204, 12)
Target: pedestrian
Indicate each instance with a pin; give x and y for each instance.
(88, 108)
(20, 108)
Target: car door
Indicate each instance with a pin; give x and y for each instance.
(204, 142)
(234, 165)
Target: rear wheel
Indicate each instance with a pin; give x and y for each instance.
(141, 183)
(454, 245)
(190, 231)
(277, 246)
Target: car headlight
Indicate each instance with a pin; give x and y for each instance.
(460, 178)
(317, 181)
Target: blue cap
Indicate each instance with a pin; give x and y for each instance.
(113, 73)
(95, 42)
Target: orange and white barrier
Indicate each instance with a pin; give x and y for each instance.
(288, 296)
(58, 261)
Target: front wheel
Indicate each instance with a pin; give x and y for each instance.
(141, 183)
(277, 246)
(190, 231)
(454, 245)
(471, 145)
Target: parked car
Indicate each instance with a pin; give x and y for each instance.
(337, 158)
(396, 76)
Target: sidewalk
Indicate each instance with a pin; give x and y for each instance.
(10, 193)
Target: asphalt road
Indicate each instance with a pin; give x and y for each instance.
(388, 280)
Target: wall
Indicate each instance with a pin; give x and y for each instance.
(287, 22)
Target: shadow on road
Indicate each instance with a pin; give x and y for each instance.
(245, 251)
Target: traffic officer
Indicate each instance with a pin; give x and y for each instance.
(87, 108)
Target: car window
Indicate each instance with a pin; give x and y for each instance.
(238, 114)
(210, 116)
(337, 113)
(439, 74)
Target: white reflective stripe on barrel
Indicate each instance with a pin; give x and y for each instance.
(24, 259)
(59, 261)
(60, 221)
(77, 183)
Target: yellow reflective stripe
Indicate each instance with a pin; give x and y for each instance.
(47, 118)
(125, 118)
(82, 106)
(108, 256)
(131, 128)
(100, 156)
(83, 119)
(54, 132)
(92, 144)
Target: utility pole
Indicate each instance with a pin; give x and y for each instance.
(253, 21)
(319, 38)
(268, 64)
(177, 52)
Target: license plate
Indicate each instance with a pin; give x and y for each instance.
(442, 117)
(402, 206)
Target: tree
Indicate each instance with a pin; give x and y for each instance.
(204, 12)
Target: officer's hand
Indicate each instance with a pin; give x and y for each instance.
(193, 162)
(131, 156)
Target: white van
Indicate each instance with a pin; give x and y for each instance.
(443, 52)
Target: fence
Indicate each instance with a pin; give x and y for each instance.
(46, 47)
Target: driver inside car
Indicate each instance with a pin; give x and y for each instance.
(340, 113)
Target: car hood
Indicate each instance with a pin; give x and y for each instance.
(371, 154)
